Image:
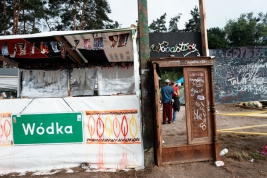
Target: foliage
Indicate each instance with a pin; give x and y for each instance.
(172, 74)
(173, 27)
(158, 25)
(217, 38)
(247, 30)
(38, 15)
(193, 25)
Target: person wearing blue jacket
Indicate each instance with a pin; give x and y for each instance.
(166, 100)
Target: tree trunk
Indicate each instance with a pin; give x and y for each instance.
(24, 22)
(74, 16)
(4, 10)
(82, 16)
(14, 18)
(17, 18)
(33, 25)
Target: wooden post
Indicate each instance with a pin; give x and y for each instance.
(147, 91)
(203, 28)
(216, 155)
(158, 128)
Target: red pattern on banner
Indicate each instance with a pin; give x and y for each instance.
(100, 127)
(116, 124)
(124, 127)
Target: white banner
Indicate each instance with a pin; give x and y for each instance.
(112, 132)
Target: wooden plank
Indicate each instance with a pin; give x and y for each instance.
(8, 61)
(183, 62)
(203, 27)
(187, 153)
(213, 116)
(69, 49)
(158, 125)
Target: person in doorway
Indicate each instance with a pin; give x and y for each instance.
(166, 100)
(176, 102)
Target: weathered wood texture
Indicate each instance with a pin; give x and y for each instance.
(183, 62)
(158, 129)
(187, 153)
(203, 28)
(197, 101)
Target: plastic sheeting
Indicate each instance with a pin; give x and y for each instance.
(82, 81)
(116, 80)
(115, 150)
(40, 83)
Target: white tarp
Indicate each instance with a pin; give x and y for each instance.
(116, 80)
(44, 83)
(119, 146)
(82, 81)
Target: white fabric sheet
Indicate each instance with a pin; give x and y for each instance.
(82, 81)
(42, 84)
(107, 155)
(116, 80)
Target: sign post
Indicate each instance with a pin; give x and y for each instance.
(47, 128)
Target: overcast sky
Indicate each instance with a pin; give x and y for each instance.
(218, 11)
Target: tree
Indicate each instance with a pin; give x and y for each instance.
(159, 25)
(193, 25)
(217, 38)
(247, 30)
(173, 27)
(5, 17)
(85, 14)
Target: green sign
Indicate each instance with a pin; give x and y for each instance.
(47, 128)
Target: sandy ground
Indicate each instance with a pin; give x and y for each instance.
(175, 133)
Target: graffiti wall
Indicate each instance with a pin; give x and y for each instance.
(240, 74)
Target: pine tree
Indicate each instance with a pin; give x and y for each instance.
(193, 25)
(85, 14)
(158, 25)
(173, 27)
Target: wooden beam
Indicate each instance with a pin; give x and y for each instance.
(69, 49)
(203, 28)
(9, 61)
(158, 129)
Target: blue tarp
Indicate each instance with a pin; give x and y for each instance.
(181, 80)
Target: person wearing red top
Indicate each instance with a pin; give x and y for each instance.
(176, 102)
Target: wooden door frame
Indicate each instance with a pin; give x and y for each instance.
(207, 150)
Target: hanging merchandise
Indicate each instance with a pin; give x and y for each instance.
(4, 49)
(98, 44)
(32, 46)
(87, 44)
(54, 46)
(123, 40)
(44, 48)
(14, 52)
(22, 48)
(114, 40)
